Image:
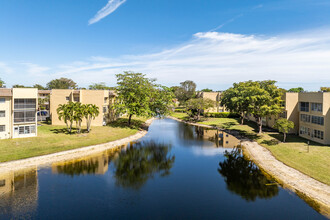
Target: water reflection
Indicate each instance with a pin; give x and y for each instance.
(18, 193)
(97, 164)
(220, 138)
(244, 178)
(138, 163)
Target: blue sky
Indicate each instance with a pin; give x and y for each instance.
(213, 42)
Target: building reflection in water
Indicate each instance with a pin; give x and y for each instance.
(133, 164)
(220, 138)
(244, 178)
(94, 164)
(18, 194)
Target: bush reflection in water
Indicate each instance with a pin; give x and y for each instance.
(140, 162)
(244, 178)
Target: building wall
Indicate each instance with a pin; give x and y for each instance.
(315, 97)
(214, 96)
(7, 120)
(24, 93)
(64, 96)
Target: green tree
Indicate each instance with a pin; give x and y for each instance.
(265, 100)
(207, 90)
(325, 89)
(138, 95)
(186, 91)
(2, 83)
(39, 87)
(298, 89)
(62, 113)
(284, 126)
(196, 106)
(99, 86)
(78, 114)
(62, 83)
(90, 112)
(237, 98)
(20, 86)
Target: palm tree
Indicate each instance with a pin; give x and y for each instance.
(62, 114)
(78, 114)
(90, 113)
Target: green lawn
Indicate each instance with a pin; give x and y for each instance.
(52, 139)
(179, 115)
(315, 163)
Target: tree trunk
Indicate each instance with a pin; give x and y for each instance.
(242, 119)
(260, 124)
(129, 119)
(70, 127)
(284, 137)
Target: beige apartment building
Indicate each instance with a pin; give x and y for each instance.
(214, 96)
(18, 112)
(101, 98)
(310, 112)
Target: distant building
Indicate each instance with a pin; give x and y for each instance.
(18, 107)
(214, 96)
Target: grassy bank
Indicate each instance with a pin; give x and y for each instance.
(52, 139)
(315, 163)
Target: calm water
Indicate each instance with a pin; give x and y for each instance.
(176, 171)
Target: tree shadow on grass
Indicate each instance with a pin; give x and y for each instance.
(65, 131)
(123, 123)
(292, 138)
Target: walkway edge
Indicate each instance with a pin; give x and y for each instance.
(70, 154)
(314, 192)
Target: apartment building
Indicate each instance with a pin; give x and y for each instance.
(314, 116)
(101, 98)
(214, 96)
(310, 112)
(18, 112)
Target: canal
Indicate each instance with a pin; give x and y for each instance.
(177, 171)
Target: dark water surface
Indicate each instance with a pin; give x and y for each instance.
(176, 171)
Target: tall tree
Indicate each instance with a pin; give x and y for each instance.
(62, 83)
(237, 98)
(325, 89)
(186, 91)
(39, 87)
(196, 106)
(284, 125)
(20, 86)
(99, 86)
(265, 100)
(2, 83)
(90, 112)
(298, 89)
(138, 95)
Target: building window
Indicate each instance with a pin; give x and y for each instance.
(305, 118)
(105, 99)
(104, 109)
(24, 116)
(304, 130)
(2, 183)
(316, 107)
(304, 106)
(25, 104)
(76, 99)
(318, 134)
(2, 113)
(317, 120)
(2, 100)
(2, 128)
(67, 98)
(29, 129)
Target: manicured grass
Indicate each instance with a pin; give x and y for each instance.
(179, 115)
(315, 163)
(52, 139)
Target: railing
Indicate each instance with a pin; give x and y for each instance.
(24, 119)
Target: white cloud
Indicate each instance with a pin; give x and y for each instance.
(110, 7)
(216, 60)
